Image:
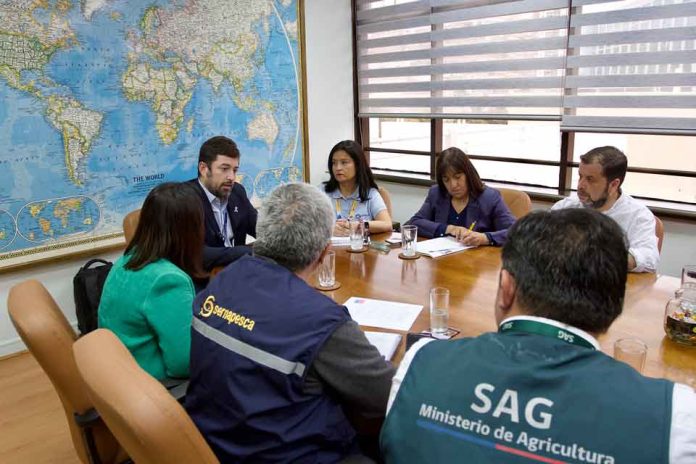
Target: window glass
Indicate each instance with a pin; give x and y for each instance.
(400, 133)
(539, 140)
(399, 162)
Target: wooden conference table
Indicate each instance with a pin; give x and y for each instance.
(472, 278)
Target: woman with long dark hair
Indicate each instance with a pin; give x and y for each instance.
(148, 294)
(461, 205)
(353, 191)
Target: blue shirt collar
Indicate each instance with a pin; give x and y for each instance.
(337, 194)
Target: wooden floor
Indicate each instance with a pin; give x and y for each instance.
(33, 427)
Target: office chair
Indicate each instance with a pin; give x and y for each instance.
(517, 201)
(659, 232)
(49, 337)
(386, 196)
(130, 223)
(145, 418)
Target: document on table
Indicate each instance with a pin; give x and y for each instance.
(383, 314)
(340, 241)
(386, 343)
(441, 246)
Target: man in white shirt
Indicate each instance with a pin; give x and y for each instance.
(540, 389)
(602, 171)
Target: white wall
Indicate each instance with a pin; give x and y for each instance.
(678, 247)
(330, 116)
(329, 80)
(57, 278)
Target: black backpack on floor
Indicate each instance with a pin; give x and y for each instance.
(88, 284)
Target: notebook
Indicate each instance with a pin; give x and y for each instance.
(386, 343)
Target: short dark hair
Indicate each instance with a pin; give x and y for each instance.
(170, 227)
(216, 146)
(569, 265)
(613, 161)
(455, 161)
(363, 174)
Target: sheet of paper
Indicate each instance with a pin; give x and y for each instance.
(386, 343)
(384, 314)
(440, 246)
(340, 241)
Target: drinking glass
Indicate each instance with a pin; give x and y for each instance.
(439, 310)
(356, 234)
(688, 274)
(409, 238)
(632, 351)
(327, 270)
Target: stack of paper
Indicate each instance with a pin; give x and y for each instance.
(441, 246)
(386, 343)
(383, 314)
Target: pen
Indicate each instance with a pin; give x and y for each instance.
(471, 227)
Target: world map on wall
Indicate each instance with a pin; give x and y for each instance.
(104, 99)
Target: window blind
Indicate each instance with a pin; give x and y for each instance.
(440, 58)
(599, 66)
(631, 67)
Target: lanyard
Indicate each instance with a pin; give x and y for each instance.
(353, 207)
(546, 330)
(223, 232)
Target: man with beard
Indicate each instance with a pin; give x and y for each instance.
(228, 214)
(602, 171)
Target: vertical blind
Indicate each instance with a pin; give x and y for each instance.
(595, 65)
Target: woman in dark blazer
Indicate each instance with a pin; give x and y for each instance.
(460, 205)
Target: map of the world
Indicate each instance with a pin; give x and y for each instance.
(104, 99)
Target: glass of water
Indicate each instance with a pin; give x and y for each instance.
(327, 270)
(357, 233)
(439, 310)
(409, 238)
(632, 351)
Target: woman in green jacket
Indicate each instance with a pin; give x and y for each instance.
(148, 294)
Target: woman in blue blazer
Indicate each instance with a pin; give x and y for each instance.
(460, 205)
